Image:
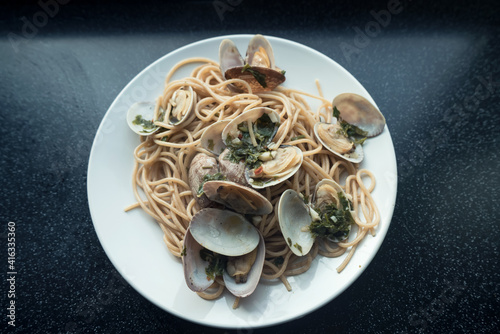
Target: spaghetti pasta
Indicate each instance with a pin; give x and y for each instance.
(160, 175)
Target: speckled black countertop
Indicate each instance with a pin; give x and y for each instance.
(434, 70)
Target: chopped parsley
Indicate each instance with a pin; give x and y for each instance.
(299, 247)
(183, 253)
(211, 144)
(144, 122)
(260, 77)
(243, 150)
(216, 265)
(209, 177)
(335, 223)
(348, 130)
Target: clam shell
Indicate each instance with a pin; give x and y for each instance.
(211, 139)
(294, 219)
(188, 107)
(247, 288)
(273, 78)
(358, 111)
(264, 183)
(147, 111)
(241, 199)
(194, 267)
(224, 232)
(257, 42)
(229, 56)
(354, 158)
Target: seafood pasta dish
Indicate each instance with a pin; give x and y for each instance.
(246, 181)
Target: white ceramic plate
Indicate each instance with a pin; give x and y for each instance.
(133, 241)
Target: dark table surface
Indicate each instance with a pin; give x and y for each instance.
(433, 69)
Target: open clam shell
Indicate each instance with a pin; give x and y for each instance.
(294, 219)
(211, 139)
(140, 118)
(253, 277)
(241, 199)
(224, 232)
(194, 266)
(182, 104)
(326, 192)
(328, 138)
(258, 69)
(260, 52)
(229, 56)
(288, 168)
(358, 111)
(249, 117)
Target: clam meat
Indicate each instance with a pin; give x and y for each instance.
(333, 139)
(182, 105)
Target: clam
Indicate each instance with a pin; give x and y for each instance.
(196, 279)
(258, 68)
(211, 139)
(278, 166)
(358, 111)
(182, 105)
(235, 243)
(201, 166)
(294, 219)
(333, 140)
(237, 197)
(241, 277)
(249, 137)
(140, 118)
(301, 223)
(261, 118)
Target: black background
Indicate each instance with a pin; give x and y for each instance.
(433, 70)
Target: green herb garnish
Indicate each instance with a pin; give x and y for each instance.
(335, 223)
(211, 144)
(216, 265)
(260, 77)
(144, 122)
(183, 253)
(283, 72)
(243, 149)
(209, 177)
(299, 247)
